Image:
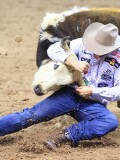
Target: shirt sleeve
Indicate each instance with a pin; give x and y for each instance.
(109, 93)
(58, 54)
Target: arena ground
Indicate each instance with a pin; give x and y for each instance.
(19, 27)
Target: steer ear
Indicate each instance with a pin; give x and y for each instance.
(56, 66)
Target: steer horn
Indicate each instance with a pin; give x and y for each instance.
(65, 44)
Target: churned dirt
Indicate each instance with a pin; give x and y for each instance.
(19, 28)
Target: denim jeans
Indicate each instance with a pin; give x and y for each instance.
(93, 119)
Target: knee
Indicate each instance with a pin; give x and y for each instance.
(106, 124)
(112, 122)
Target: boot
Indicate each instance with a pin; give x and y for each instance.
(56, 142)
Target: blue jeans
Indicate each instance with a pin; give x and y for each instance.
(94, 119)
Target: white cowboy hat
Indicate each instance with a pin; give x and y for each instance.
(101, 39)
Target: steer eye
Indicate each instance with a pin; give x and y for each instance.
(56, 66)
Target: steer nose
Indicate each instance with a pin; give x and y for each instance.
(37, 90)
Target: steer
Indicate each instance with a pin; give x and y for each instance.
(52, 75)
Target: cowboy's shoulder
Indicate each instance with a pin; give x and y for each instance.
(114, 58)
(77, 40)
(116, 54)
(76, 43)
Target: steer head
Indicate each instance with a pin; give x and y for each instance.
(51, 76)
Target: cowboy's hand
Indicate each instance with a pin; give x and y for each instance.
(82, 66)
(84, 90)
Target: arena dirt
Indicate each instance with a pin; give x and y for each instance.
(19, 28)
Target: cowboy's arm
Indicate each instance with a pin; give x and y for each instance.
(110, 94)
(58, 54)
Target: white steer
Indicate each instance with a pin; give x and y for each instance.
(52, 76)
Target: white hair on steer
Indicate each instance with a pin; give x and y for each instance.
(53, 19)
(51, 76)
(45, 35)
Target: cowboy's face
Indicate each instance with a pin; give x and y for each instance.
(98, 56)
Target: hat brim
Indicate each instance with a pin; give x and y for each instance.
(90, 43)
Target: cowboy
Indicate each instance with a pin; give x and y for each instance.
(101, 70)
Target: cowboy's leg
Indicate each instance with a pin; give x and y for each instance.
(94, 120)
(61, 102)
